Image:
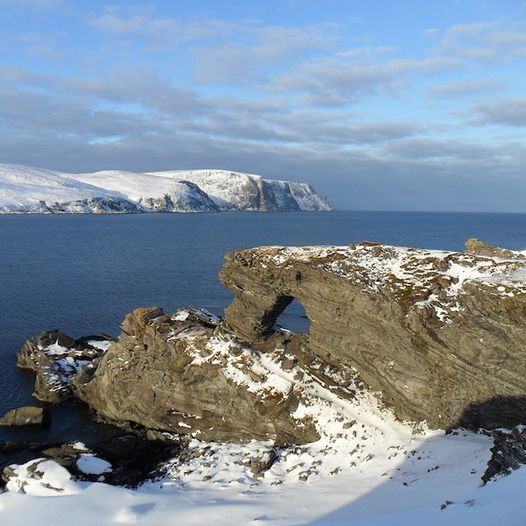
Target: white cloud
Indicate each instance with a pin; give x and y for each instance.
(487, 42)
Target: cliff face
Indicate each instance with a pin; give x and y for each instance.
(26, 190)
(440, 335)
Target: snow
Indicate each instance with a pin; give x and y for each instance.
(367, 468)
(181, 315)
(25, 186)
(92, 465)
(102, 345)
(405, 481)
(42, 478)
(402, 270)
(131, 184)
(233, 190)
(32, 190)
(56, 350)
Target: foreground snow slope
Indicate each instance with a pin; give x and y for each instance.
(31, 190)
(367, 468)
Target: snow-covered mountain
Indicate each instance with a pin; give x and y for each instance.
(33, 190)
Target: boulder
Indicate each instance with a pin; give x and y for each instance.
(507, 454)
(25, 416)
(478, 247)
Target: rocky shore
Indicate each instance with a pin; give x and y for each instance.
(437, 336)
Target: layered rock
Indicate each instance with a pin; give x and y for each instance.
(182, 374)
(440, 335)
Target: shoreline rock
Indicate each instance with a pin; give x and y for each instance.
(56, 358)
(26, 416)
(439, 335)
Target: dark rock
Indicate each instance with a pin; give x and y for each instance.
(25, 416)
(508, 452)
(135, 459)
(56, 358)
(260, 465)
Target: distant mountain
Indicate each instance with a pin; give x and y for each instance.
(27, 190)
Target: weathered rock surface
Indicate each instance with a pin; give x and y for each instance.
(56, 358)
(478, 247)
(440, 335)
(25, 416)
(182, 374)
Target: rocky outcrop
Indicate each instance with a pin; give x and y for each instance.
(185, 197)
(478, 247)
(183, 374)
(25, 416)
(440, 335)
(507, 454)
(56, 358)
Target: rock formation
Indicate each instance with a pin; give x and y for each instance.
(478, 247)
(56, 358)
(439, 335)
(181, 374)
(25, 416)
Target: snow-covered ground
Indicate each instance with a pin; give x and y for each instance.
(32, 190)
(367, 468)
(428, 479)
(26, 186)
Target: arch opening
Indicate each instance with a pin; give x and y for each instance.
(293, 318)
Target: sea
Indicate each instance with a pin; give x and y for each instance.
(83, 273)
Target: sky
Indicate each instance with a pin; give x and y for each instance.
(380, 105)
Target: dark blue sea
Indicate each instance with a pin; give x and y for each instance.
(82, 274)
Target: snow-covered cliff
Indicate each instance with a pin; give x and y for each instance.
(32, 190)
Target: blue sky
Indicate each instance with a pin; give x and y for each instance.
(399, 105)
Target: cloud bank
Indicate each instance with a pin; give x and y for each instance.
(372, 123)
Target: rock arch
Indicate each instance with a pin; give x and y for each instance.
(397, 316)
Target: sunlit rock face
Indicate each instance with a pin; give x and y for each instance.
(441, 335)
(182, 373)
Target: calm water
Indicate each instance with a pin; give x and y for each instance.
(82, 274)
